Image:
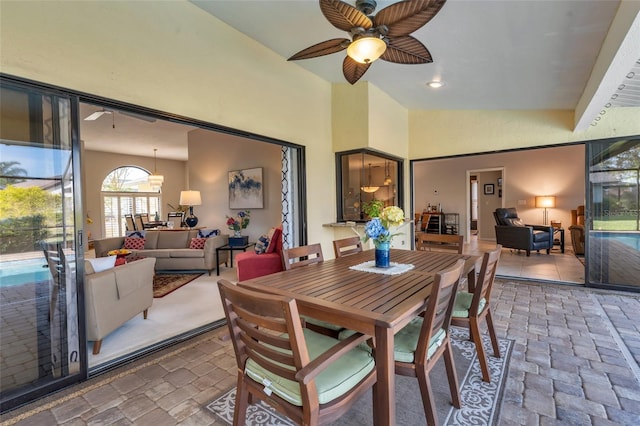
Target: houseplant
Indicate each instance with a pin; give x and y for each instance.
(378, 230)
(239, 222)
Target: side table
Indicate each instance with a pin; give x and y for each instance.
(230, 249)
(556, 241)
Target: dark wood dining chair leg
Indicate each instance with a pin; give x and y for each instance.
(492, 334)
(474, 328)
(427, 395)
(452, 376)
(242, 399)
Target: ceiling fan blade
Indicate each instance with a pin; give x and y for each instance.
(325, 48)
(406, 50)
(344, 16)
(405, 17)
(96, 115)
(353, 70)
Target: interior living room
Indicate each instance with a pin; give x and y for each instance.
(242, 105)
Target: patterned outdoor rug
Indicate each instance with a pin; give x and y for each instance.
(164, 284)
(481, 402)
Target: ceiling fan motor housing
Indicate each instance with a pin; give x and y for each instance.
(366, 6)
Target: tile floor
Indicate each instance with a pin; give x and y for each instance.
(575, 362)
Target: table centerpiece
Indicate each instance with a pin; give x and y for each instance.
(378, 230)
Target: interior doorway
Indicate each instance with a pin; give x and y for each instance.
(487, 185)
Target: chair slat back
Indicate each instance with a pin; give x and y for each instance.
(439, 308)
(427, 242)
(138, 221)
(131, 225)
(257, 323)
(347, 246)
(485, 280)
(424, 221)
(297, 257)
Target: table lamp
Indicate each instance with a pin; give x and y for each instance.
(190, 198)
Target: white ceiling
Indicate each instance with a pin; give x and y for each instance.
(491, 54)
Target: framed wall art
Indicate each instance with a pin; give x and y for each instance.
(245, 189)
(489, 189)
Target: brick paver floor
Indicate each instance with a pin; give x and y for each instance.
(575, 362)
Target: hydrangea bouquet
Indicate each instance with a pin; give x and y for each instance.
(377, 229)
(238, 222)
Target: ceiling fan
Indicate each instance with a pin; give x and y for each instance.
(103, 111)
(385, 35)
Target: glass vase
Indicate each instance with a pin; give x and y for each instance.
(382, 254)
(236, 233)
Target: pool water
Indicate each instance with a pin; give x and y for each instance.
(19, 272)
(630, 239)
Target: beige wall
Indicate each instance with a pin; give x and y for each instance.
(211, 156)
(555, 171)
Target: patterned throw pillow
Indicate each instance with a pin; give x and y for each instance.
(262, 244)
(134, 243)
(134, 234)
(197, 243)
(206, 233)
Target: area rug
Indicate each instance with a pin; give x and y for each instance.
(164, 284)
(481, 402)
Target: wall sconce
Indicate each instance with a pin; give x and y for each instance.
(545, 202)
(190, 198)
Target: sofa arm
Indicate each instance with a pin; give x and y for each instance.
(104, 245)
(210, 251)
(114, 296)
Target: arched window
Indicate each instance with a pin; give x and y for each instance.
(125, 191)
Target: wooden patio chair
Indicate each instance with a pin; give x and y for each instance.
(311, 378)
(428, 242)
(296, 257)
(347, 246)
(422, 342)
(473, 306)
(139, 222)
(129, 222)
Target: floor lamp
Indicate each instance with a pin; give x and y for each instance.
(190, 198)
(545, 202)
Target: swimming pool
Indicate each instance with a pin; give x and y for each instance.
(19, 272)
(631, 239)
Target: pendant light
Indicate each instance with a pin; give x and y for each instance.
(387, 173)
(369, 189)
(155, 180)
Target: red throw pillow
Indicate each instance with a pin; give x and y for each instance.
(197, 243)
(134, 243)
(274, 235)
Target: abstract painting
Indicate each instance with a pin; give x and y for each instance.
(245, 189)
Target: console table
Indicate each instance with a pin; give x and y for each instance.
(230, 249)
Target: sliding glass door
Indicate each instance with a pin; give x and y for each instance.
(39, 327)
(613, 214)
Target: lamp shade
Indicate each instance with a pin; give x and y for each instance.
(190, 198)
(545, 201)
(366, 49)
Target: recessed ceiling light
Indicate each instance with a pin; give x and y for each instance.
(435, 84)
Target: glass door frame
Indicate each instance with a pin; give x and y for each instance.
(27, 393)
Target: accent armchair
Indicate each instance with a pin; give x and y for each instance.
(577, 230)
(511, 232)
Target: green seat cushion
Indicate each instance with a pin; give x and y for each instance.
(321, 323)
(406, 341)
(331, 383)
(463, 303)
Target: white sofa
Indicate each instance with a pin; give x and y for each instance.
(114, 296)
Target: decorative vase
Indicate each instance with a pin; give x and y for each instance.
(382, 254)
(236, 233)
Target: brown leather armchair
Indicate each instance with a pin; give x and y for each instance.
(511, 232)
(577, 230)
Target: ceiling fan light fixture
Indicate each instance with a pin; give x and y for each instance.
(366, 49)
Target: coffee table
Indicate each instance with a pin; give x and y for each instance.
(230, 249)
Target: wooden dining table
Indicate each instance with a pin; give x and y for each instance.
(371, 303)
